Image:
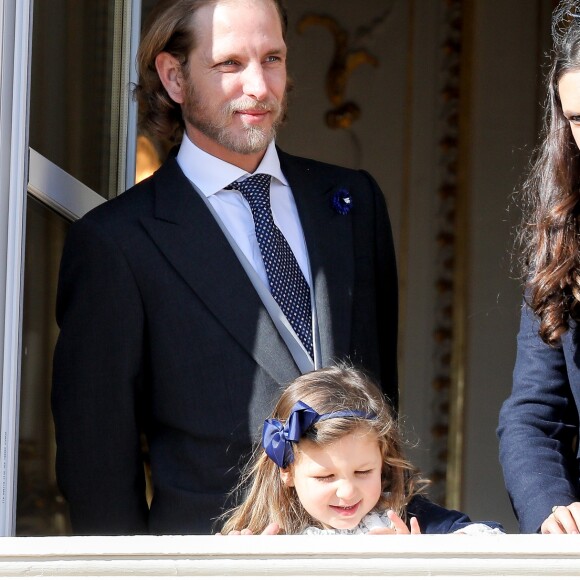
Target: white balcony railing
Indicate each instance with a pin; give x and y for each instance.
(445, 556)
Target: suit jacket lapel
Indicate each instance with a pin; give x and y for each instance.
(191, 240)
(329, 241)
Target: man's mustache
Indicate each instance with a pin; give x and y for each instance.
(252, 105)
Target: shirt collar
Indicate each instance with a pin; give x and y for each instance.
(211, 174)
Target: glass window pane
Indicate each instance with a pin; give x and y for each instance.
(74, 106)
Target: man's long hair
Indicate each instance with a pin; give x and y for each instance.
(169, 28)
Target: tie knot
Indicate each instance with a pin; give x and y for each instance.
(256, 189)
(255, 184)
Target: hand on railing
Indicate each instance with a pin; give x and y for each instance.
(269, 530)
(563, 520)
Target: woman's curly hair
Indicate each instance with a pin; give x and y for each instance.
(550, 229)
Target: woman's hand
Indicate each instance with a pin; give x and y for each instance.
(563, 520)
(399, 526)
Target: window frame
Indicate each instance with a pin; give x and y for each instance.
(25, 172)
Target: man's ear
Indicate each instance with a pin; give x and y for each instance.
(169, 71)
(287, 477)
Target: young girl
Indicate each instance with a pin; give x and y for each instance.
(331, 462)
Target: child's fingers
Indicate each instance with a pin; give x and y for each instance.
(271, 530)
(381, 531)
(415, 529)
(399, 525)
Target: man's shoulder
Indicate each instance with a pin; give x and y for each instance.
(136, 202)
(310, 175)
(324, 175)
(309, 164)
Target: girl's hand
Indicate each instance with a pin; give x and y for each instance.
(399, 526)
(269, 530)
(563, 520)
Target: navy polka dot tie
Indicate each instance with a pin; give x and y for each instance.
(287, 283)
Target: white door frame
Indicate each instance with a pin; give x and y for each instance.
(15, 27)
(53, 187)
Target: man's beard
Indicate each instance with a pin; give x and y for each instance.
(253, 139)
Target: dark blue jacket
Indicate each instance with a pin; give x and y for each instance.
(434, 519)
(538, 425)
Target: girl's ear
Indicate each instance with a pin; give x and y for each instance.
(169, 71)
(287, 477)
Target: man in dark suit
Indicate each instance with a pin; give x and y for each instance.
(171, 329)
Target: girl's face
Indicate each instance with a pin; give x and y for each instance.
(569, 90)
(338, 484)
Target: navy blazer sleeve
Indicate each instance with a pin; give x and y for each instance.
(387, 297)
(98, 366)
(538, 424)
(435, 519)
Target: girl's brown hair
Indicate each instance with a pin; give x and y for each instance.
(264, 499)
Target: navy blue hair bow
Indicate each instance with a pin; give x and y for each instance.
(277, 438)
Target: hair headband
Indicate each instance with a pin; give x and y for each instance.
(277, 438)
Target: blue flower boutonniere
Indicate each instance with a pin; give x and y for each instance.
(342, 201)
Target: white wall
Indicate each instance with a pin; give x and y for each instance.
(396, 139)
(507, 55)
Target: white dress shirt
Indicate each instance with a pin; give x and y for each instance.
(210, 175)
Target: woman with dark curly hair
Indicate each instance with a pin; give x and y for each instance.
(538, 425)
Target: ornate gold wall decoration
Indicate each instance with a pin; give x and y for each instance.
(348, 56)
(451, 238)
